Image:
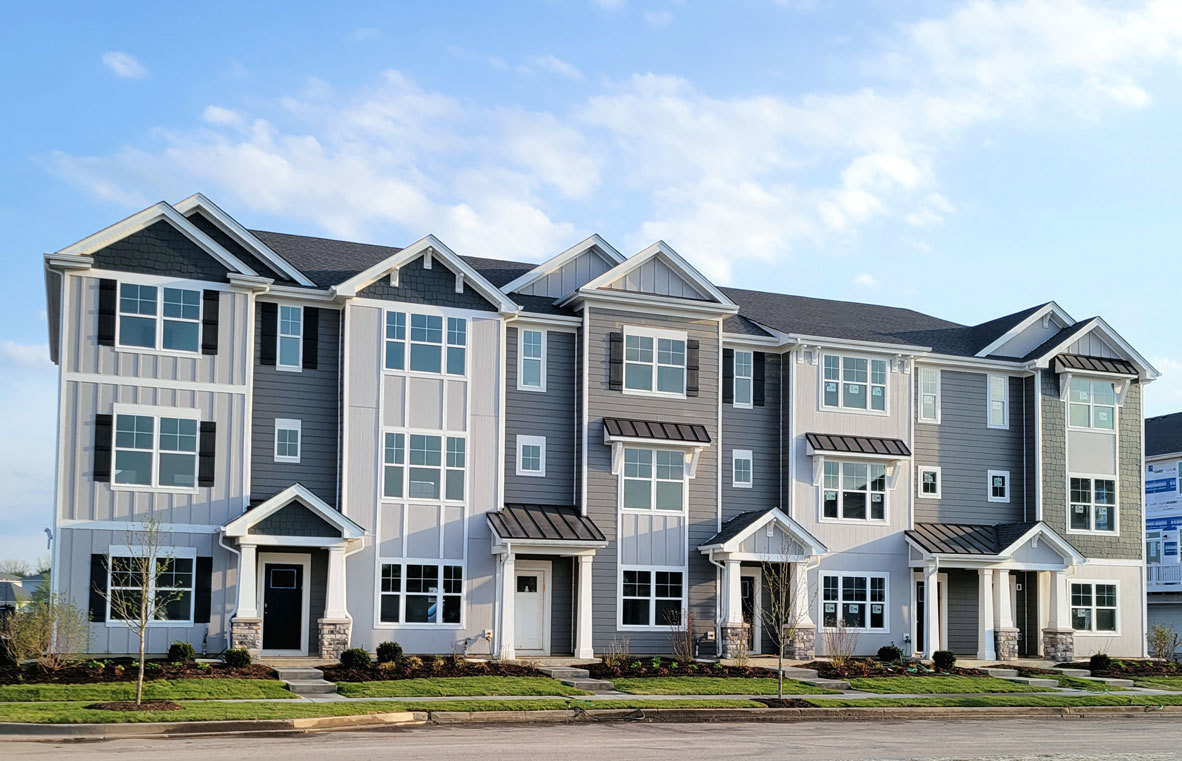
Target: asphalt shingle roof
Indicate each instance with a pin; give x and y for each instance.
(1163, 434)
(736, 526)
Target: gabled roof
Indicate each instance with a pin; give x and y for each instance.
(555, 263)
(240, 526)
(999, 540)
(743, 525)
(1043, 355)
(680, 266)
(994, 334)
(1163, 434)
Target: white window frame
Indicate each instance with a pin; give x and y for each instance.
(1116, 506)
(1094, 632)
(736, 456)
(920, 470)
(289, 424)
(656, 335)
(445, 343)
(158, 318)
(653, 481)
(521, 359)
(921, 370)
(868, 384)
(157, 413)
(526, 441)
(821, 489)
(868, 575)
(1005, 401)
(989, 486)
(169, 553)
(443, 467)
(748, 380)
(1091, 405)
(280, 335)
(652, 570)
(402, 623)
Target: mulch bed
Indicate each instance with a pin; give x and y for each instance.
(868, 667)
(426, 668)
(129, 705)
(642, 667)
(122, 670)
(785, 703)
(1132, 667)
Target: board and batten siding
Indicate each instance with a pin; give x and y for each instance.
(756, 429)
(603, 485)
(549, 413)
(965, 449)
(574, 274)
(310, 396)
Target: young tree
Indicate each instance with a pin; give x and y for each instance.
(134, 594)
(782, 612)
(16, 566)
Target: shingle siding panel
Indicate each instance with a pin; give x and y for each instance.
(435, 286)
(160, 249)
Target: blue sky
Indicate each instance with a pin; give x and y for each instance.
(963, 159)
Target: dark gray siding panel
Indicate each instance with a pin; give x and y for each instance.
(551, 414)
(203, 223)
(160, 249)
(962, 612)
(317, 597)
(294, 520)
(756, 429)
(966, 449)
(310, 396)
(437, 286)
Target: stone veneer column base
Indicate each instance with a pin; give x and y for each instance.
(1058, 645)
(803, 645)
(1006, 641)
(732, 636)
(334, 636)
(248, 633)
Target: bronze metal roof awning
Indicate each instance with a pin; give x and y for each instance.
(679, 433)
(967, 539)
(544, 523)
(857, 445)
(1082, 363)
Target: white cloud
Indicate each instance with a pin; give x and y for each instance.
(124, 65)
(216, 115)
(658, 19)
(24, 356)
(556, 65)
(867, 280)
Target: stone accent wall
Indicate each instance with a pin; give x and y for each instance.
(732, 636)
(248, 633)
(1006, 641)
(1058, 645)
(803, 645)
(436, 286)
(334, 637)
(160, 249)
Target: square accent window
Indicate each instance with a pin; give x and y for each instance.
(653, 479)
(929, 482)
(287, 440)
(853, 491)
(741, 467)
(1092, 505)
(531, 366)
(654, 362)
(152, 317)
(531, 456)
(854, 383)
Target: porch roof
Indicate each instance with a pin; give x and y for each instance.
(690, 433)
(743, 525)
(980, 541)
(857, 445)
(556, 523)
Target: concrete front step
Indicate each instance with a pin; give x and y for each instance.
(590, 685)
(1001, 673)
(1113, 681)
(564, 672)
(301, 674)
(798, 673)
(312, 687)
(1033, 681)
(1084, 673)
(828, 684)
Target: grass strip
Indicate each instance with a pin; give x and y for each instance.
(936, 685)
(709, 685)
(1079, 683)
(466, 686)
(986, 701)
(593, 704)
(158, 689)
(1159, 682)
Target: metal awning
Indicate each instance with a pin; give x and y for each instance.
(518, 523)
(1082, 363)
(652, 430)
(856, 445)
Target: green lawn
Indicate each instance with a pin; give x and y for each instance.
(1159, 682)
(159, 689)
(465, 686)
(947, 685)
(711, 685)
(1056, 701)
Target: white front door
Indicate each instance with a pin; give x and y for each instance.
(531, 608)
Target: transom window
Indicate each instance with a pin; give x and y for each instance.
(651, 598)
(531, 371)
(1093, 607)
(1093, 504)
(654, 363)
(742, 475)
(859, 601)
(151, 317)
(170, 586)
(151, 451)
(427, 475)
(854, 491)
(855, 383)
(421, 349)
(999, 396)
(291, 332)
(654, 478)
(744, 377)
(929, 395)
(1091, 404)
(416, 593)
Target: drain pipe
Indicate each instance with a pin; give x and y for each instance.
(226, 617)
(722, 587)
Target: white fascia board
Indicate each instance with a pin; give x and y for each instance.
(555, 263)
(777, 516)
(1097, 324)
(612, 299)
(1050, 308)
(240, 526)
(980, 363)
(245, 237)
(307, 294)
(660, 248)
(849, 343)
(1057, 542)
(429, 244)
(146, 218)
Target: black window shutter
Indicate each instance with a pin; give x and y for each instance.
(98, 588)
(728, 376)
(616, 358)
(209, 322)
(311, 336)
(202, 588)
(757, 395)
(692, 349)
(269, 332)
(208, 447)
(108, 301)
(103, 426)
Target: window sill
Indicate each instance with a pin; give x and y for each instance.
(857, 521)
(1091, 430)
(651, 511)
(738, 406)
(741, 486)
(531, 474)
(859, 631)
(151, 624)
(997, 427)
(294, 460)
(423, 374)
(157, 489)
(419, 627)
(641, 628)
(855, 411)
(1083, 633)
(1092, 532)
(997, 501)
(286, 369)
(532, 389)
(160, 352)
(657, 394)
(927, 422)
(928, 496)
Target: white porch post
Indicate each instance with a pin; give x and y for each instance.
(1058, 601)
(334, 605)
(986, 643)
(800, 595)
(734, 593)
(508, 616)
(583, 633)
(1004, 608)
(931, 610)
(247, 582)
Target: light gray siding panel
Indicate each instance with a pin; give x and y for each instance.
(757, 429)
(551, 414)
(574, 274)
(1092, 345)
(657, 277)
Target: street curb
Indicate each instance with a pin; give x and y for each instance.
(207, 728)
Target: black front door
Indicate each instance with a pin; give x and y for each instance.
(920, 611)
(283, 604)
(747, 584)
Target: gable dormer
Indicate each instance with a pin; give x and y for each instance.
(1023, 336)
(568, 271)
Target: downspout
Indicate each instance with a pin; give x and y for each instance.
(720, 584)
(237, 580)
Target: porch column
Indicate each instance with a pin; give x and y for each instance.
(583, 633)
(1058, 601)
(1007, 634)
(508, 615)
(1058, 638)
(800, 595)
(334, 605)
(732, 627)
(247, 582)
(986, 647)
(931, 610)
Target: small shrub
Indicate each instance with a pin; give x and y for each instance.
(204, 666)
(389, 652)
(152, 666)
(414, 662)
(387, 665)
(656, 662)
(840, 644)
(356, 658)
(1163, 641)
(1100, 662)
(890, 654)
(616, 653)
(95, 665)
(437, 662)
(237, 658)
(181, 652)
(943, 659)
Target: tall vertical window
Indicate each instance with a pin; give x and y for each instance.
(854, 491)
(287, 440)
(291, 335)
(159, 318)
(395, 340)
(650, 598)
(741, 469)
(394, 465)
(1093, 504)
(859, 601)
(855, 383)
(1093, 607)
(744, 370)
(653, 478)
(457, 342)
(929, 395)
(152, 451)
(531, 367)
(1091, 404)
(999, 401)
(654, 362)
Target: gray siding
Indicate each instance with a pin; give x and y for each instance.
(657, 277)
(294, 520)
(436, 286)
(207, 226)
(160, 249)
(962, 612)
(756, 429)
(310, 396)
(535, 413)
(574, 274)
(966, 448)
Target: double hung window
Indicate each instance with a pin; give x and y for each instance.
(155, 451)
(653, 478)
(416, 466)
(1093, 504)
(531, 370)
(1093, 607)
(929, 395)
(291, 338)
(154, 317)
(169, 584)
(1091, 404)
(999, 398)
(744, 377)
(855, 383)
(651, 598)
(654, 363)
(854, 491)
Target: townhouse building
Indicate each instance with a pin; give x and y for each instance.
(1163, 519)
(349, 443)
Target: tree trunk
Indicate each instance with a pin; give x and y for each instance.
(139, 682)
(780, 665)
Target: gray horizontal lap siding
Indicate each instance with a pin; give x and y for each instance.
(602, 485)
(160, 249)
(435, 286)
(756, 429)
(310, 396)
(965, 449)
(551, 414)
(962, 612)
